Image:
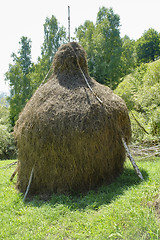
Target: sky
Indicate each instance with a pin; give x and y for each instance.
(26, 18)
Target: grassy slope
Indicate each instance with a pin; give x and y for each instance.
(117, 211)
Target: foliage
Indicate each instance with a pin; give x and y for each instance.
(54, 36)
(85, 35)
(24, 77)
(117, 211)
(103, 45)
(141, 92)
(18, 77)
(111, 57)
(7, 148)
(148, 46)
(128, 59)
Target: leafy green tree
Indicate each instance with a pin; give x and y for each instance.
(7, 147)
(54, 36)
(103, 45)
(141, 92)
(25, 77)
(148, 46)
(18, 78)
(108, 47)
(84, 33)
(128, 57)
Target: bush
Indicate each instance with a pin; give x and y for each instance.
(141, 92)
(7, 146)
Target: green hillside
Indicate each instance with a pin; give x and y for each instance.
(141, 92)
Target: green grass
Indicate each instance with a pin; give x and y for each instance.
(117, 211)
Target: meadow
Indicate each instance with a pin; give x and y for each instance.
(124, 209)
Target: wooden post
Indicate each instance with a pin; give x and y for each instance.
(29, 183)
(68, 23)
(132, 160)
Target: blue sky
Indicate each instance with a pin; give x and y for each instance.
(26, 18)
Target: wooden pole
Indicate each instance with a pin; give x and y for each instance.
(132, 160)
(29, 183)
(68, 23)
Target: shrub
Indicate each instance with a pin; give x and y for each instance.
(141, 92)
(7, 146)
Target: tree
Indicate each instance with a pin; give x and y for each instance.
(128, 57)
(108, 47)
(103, 45)
(54, 36)
(148, 46)
(84, 33)
(7, 147)
(19, 81)
(141, 92)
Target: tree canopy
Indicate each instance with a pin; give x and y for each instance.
(7, 148)
(141, 92)
(103, 45)
(24, 77)
(148, 46)
(18, 78)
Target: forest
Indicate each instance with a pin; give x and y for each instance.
(131, 68)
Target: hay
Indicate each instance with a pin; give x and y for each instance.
(73, 141)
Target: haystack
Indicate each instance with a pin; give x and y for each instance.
(72, 139)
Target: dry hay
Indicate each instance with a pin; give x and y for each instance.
(73, 140)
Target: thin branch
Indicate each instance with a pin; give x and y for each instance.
(9, 165)
(139, 123)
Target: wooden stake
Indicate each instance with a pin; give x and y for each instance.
(14, 173)
(68, 23)
(29, 183)
(132, 160)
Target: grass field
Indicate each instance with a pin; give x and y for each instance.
(122, 210)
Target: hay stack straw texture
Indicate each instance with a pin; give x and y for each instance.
(72, 140)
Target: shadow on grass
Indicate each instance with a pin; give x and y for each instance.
(94, 198)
